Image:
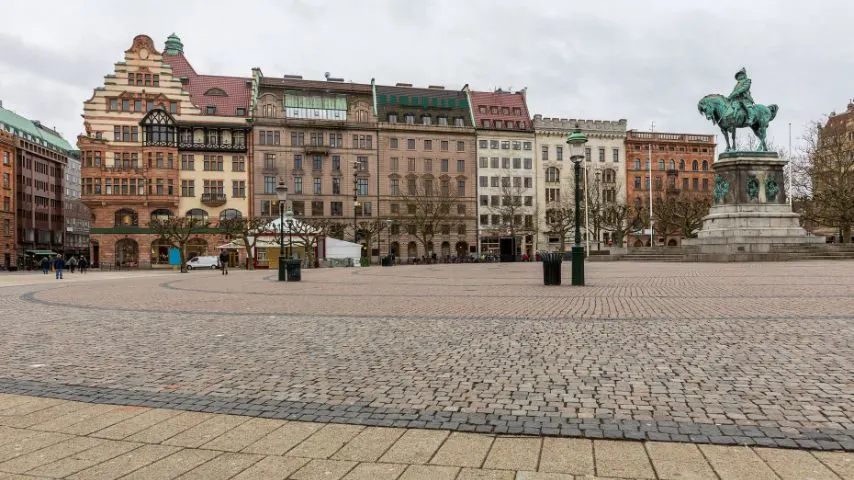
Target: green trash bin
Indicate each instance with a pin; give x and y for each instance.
(294, 270)
(551, 267)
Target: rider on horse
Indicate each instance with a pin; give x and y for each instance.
(740, 96)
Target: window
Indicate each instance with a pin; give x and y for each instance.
(461, 146)
(317, 190)
(213, 188)
(461, 209)
(552, 175)
(210, 110)
(444, 165)
(361, 164)
(317, 163)
(705, 184)
(409, 118)
(552, 195)
(505, 162)
(443, 121)
(505, 145)
(483, 144)
(483, 181)
(529, 163)
(499, 124)
(672, 165)
(658, 183)
(705, 166)
(528, 182)
(484, 200)
(238, 188)
(426, 119)
(137, 105)
(637, 182)
(637, 164)
(336, 162)
(317, 208)
(695, 166)
(364, 142)
(213, 163)
(392, 143)
(545, 153)
(269, 184)
(459, 122)
(428, 164)
(681, 164)
(559, 152)
(661, 164)
(695, 183)
(517, 145)
(297, 139)
(238, 163)
(395, 164)
(241, 112)
(601, 155)
(125, 105)
(336, 186)
(493, 182)
(297, 184)
(316, 139)
(6, 180)
(529, 201)
(461, 187)
(297, 162)
(615, 155)
(684, 184)
(428, 144)
(114, 104)
(392, 118)
(411, 166)
(336, 140)
(269, 161)
(483, 162)
(336, 209)
(173, 107)
(587, 154)
(362, 187)
(410, 144)
(443, 145)
(461, 166)
(395, 186)
(517, 163)
(298, 208)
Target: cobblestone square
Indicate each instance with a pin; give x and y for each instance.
(750, 354)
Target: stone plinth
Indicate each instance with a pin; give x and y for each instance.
(750, 212)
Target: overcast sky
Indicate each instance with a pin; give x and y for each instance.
(645, 61)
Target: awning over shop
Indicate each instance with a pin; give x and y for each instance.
(41, 252)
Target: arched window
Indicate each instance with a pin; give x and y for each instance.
(552, 175)
(158, 128)
(695, 166)
(268, 111)
(127, 253)
(161, 214)
(229, 213)
(216, 92)
(672, 164)
(661, 164)
(197, 214)
(609, 175)
(681, 164)
(196, 247)
(126, 218)
(637, 164)
(705, 166)
(361, 115)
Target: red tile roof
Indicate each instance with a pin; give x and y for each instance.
(500, 99)
(298, 84)
(237, 93)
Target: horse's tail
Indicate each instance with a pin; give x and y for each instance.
(773, 109)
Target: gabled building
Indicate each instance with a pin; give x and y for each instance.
(37, 193)
(162, 141)
(427, 170)
(506, 188)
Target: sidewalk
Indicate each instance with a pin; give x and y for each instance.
(49, 438)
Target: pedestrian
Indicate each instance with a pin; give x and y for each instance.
(58, 265)
(72, 264)
(82, 264)
(45, 264)
(223, 261)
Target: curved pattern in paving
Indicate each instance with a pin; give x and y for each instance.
(756, 354)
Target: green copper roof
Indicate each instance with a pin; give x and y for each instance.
(30, 131)
(173, 45)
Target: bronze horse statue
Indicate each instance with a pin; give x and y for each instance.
(719, 110)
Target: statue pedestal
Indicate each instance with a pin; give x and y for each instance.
(750, 219)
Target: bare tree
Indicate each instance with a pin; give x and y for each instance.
(829, 168)
(681, 214)
(427, 208)
(177, 231)
(616, 219)
(560, 220)
(246, 229)
(368, 230)
(517, 218)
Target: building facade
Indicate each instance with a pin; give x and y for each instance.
(161, 141)
(41, 156)
(77, 215)
(8, 230)
(680, 165)
(427, 172)
(603, 176)
(320, 138)
(507, 182)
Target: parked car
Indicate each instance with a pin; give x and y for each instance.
(203, 262)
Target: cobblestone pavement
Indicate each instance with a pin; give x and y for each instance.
(50, 438)
(750, 354)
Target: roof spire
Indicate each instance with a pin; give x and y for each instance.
(173, 45)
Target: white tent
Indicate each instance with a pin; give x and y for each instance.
(297, 227)
(341, 249)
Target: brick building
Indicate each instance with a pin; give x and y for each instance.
(507, 181)
(162, 140)
(681, 165)
(77, 214)
(8, 252)
(319, 138)
(40, 158)
(427, 168)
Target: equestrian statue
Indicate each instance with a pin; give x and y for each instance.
(738, 111)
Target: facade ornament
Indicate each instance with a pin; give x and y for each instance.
(752, 187)
(721, 188)
(771, 189)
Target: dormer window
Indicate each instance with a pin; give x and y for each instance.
(392, 118)
(241, 112)
(481, 109)
(409, 118)
(443, 121)
(485, 124)
(210, 110)
(494, 110)
(499, 124)
(426, 119)
(459, 122)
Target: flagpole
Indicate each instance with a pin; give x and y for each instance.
(789, 186)
(586, 211)
(649, 185)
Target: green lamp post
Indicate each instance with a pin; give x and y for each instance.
(282, 195)
(576, 142)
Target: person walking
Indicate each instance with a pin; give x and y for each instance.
(58, 265)
(72, 264)
(45, 264)
(223, 261)
(82, 264)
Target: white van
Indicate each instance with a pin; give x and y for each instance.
(203, 262)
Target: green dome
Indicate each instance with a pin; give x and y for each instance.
(174, 45)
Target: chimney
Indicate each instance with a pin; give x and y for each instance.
(399, 84)
(436, 87)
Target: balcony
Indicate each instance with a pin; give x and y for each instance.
(212, 147)
(213, 199)
(316, 150)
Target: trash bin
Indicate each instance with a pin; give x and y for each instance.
(386, 261)
(294, 270)
(551, 267)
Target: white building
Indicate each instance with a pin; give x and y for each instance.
(604, 167)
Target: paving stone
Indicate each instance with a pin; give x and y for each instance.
(125, 463)
(564, 455)
(169, 428)
(29, 443)
(103, 451)
(243, 435)
(49, 454)
(795, 465)
(463, 450)
(679, 461)
(173, 465)
(284, 438)
(222, 467)
(64, 423)
(42, 415)
(737, 463)
(323, 469)
(369, 444)
(479, 474)
(621, 459)
(545, 476)
(508, 453)
(842, 463)
(415, 447)
(272, 468)
(326, 441)
(429, 472)
(135, 424)
(375, 471)
(206, 431)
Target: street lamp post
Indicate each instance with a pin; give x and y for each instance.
(576, 143)
(290, 222)
(355, 202)
(388, 223)
(282, 195)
